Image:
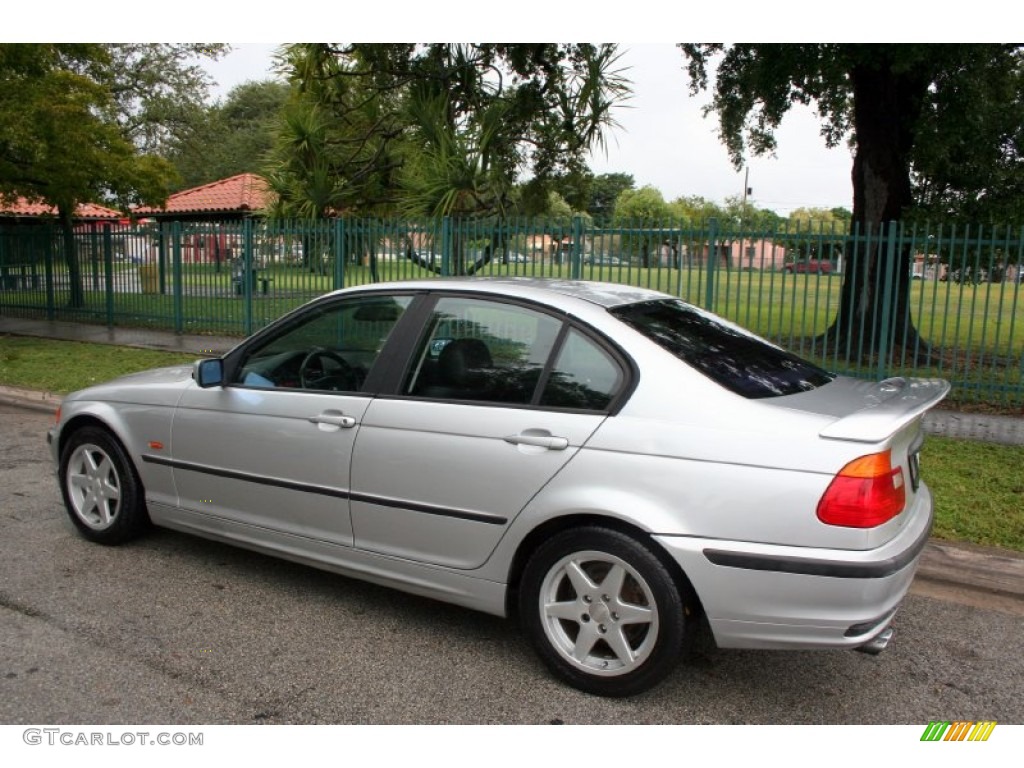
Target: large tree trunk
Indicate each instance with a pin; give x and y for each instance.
(886, 109)
(76, 291)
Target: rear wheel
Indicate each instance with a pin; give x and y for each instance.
(603, 611)
(102, 492)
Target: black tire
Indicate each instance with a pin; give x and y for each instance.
(102, 491)
(604, 612)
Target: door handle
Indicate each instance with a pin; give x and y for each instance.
(334, 419)
(540, 441)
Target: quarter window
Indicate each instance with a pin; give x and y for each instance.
(584, 376)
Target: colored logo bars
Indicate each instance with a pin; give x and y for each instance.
(960, 730)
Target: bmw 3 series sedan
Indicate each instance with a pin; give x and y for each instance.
(610, 465)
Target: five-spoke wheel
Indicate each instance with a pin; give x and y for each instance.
(604, 611)
(101, 491)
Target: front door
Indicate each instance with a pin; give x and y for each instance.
(272, 448)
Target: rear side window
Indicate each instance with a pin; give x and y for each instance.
(725, 353)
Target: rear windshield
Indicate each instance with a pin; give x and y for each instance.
(725, 353)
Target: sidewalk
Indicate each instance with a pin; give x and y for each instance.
(981, 569)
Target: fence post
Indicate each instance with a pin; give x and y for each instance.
(179, 320)
(247, 267)
(108, 268)
(446, 246)
(712, 265)
(888, 271)
(51, 297)
(94, 257)
(576, 266)
(161, 257)
(339, 253)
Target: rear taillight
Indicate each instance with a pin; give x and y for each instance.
(866, 492)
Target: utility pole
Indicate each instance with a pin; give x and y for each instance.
(743, 215)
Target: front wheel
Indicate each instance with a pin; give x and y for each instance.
(603, 611)
(102, 492)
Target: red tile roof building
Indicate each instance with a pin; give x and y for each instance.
(241, 195)
(20, 208)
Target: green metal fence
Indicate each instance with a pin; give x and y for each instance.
(961, 285)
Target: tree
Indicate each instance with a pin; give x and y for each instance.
(819, 219)
(641, 206)
(886, 98)
(75, 121)
(816, 233)
(743, 214)
(642, 213)
(442, 128)
(969, 157)
(602, 191)
(696, 210)
(231, 137)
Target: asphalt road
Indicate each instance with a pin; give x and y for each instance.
(176, 630)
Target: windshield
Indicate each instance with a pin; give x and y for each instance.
(725, 353)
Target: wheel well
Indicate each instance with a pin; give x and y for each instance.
(85, 420)
(559, 524)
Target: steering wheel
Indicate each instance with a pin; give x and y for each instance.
(316, 376)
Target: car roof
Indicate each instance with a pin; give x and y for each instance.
(536, 288)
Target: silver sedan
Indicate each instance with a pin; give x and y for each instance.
(610, 464)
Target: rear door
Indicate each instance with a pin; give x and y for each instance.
(496, 399)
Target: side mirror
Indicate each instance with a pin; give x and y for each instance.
(208, 373)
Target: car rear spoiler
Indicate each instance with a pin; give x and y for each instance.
(894, 403)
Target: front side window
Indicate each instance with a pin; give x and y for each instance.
(332, 348)
(725, 353)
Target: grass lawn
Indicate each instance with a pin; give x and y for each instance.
(979, 491)
(978, 487)
(64, 366)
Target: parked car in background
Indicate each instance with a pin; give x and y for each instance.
(811, 266)
(606, 462)
(514, 257)
(602, 260)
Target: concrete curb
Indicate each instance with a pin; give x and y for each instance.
(32, 399)
(986, 569)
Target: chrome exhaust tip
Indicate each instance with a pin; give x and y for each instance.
(878, 643)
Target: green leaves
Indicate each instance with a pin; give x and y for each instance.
(80, 122)
(442, 129)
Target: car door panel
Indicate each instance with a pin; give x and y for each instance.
(268, 458)
(440, 482)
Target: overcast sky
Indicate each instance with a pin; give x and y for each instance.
(664, 139)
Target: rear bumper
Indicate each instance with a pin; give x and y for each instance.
(769, 596)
